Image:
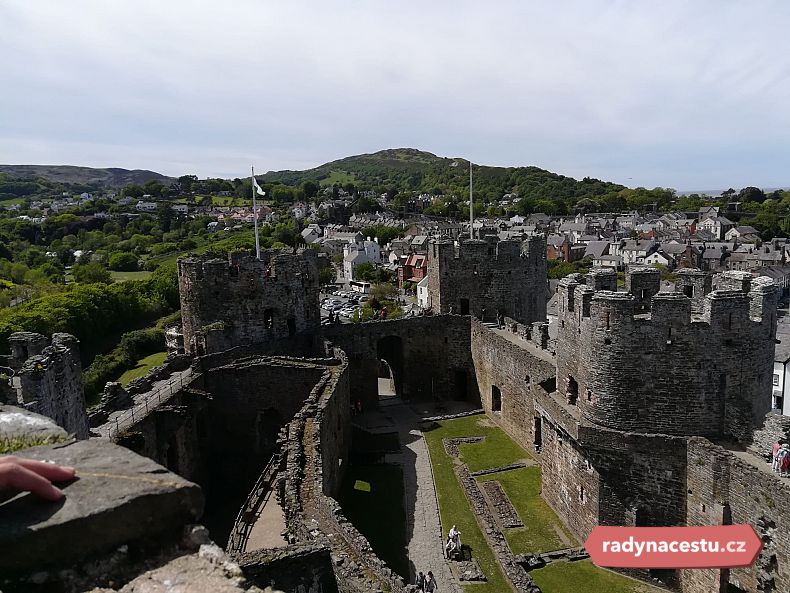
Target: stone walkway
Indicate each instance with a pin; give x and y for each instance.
(424, 531)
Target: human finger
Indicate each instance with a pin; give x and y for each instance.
(51, 471)
(18, 477)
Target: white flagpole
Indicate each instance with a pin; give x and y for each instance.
(471, 206)
(255, 215)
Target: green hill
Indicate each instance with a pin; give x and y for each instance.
(114, 178)
(411, 170)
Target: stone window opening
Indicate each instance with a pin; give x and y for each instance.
(581, 494)
(688, 291)
(496, 399)
(608, 317)
(729, 321)
(572, 391)
(589, 396)
(268, 318)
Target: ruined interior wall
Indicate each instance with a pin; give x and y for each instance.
(251, 400)
(50, 382)
(515, 369)
(334, 418)
(753, 496)
(434, 352)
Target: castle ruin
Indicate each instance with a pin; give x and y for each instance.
(644, 411)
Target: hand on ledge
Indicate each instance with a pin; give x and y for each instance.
(28, 475)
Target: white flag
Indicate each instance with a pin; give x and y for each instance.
(258, 187)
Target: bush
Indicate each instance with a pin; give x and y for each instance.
(91, 273)
(141, 342)
(122, 261)
(104, 368)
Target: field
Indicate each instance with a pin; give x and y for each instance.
(121, 276)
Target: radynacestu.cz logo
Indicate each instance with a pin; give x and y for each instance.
(719, 546)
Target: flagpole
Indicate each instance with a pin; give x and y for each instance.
(471, 205)
(255, 215)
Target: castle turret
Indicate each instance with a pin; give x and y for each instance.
(243, 300)
(672, 371)
(488, 276)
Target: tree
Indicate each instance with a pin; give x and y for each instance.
(91, 273)
(751, 194)
(186, 182)
(327, 275)
(310, 189)
(133, 191)
(383, 292)
(123, 261)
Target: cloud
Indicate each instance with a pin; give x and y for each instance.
(682, 94)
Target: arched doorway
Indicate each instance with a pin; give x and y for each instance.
(389, 352)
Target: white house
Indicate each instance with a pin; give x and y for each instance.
(780, 400)
(423, 296)
(146, 206)
(358, 253)
(718, 225)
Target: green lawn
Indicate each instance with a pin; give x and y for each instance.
(539, 534)
(571, 577)
(372, 498)
(143, 366)
(523, 489)
(454, 507)
(121, 276)
(497, 450)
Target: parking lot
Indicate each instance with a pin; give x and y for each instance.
(343, 303)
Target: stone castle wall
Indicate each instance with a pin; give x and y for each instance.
(242, 300)
(429, 357)
(645, 364)
(515, 370)
(503, 276)
(727, 488)
(48, 378)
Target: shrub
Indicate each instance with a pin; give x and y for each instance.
(122, 261)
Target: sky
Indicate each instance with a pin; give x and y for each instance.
(684, 94)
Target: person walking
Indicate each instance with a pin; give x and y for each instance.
(420, 582)
(430, 583)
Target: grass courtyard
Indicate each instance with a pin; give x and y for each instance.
(542, 527)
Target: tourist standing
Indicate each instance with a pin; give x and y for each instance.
(774, 452)
(784, 460)
(430, 584)
(420, 582)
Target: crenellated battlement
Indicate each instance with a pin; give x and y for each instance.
(243, 300)
(483, 277)
(668, 363)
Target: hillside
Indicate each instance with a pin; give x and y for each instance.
(408, 169)
(101, 178)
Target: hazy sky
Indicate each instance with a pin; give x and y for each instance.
(685, 94)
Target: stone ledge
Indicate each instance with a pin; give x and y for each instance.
(117, 497)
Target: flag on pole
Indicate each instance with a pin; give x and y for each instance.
(257, 187)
